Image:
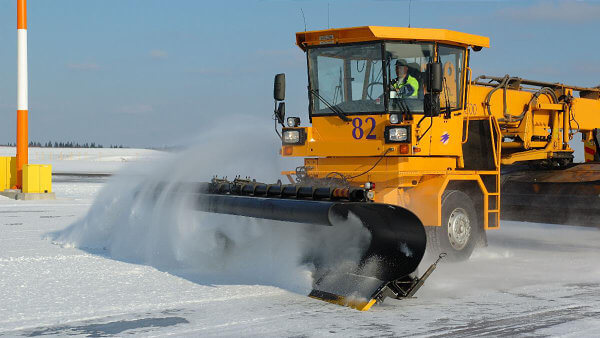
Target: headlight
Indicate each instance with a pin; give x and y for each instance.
(394, 118)
(398, 134)
(293, 136)
(293, 122)
(395, 134)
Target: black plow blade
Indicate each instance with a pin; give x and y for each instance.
(396, 247)
(570, 196)
(348, 289)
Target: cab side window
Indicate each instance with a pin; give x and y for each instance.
(452, 59)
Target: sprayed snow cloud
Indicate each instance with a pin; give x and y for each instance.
(148, 220)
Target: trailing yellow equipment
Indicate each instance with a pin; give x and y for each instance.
(445, 153)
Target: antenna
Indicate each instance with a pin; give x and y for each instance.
(303, 18)
(409, 3)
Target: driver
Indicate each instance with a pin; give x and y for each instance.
(405, 85)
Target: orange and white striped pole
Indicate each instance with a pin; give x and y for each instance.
(590, 146)
(22, 95)
(589, 149)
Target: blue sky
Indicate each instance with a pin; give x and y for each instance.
(154, 73)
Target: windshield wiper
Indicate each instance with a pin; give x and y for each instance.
(400, 103)
(405, 109)
(340, 113)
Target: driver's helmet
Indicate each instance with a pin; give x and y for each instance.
(401, 62)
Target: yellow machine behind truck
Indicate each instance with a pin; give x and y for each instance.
(434, 158)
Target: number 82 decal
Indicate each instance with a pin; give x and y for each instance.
(358, 132)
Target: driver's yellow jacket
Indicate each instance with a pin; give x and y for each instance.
(407, 88)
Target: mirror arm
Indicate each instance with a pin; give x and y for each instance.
(277, 131)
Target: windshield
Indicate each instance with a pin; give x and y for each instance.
(354, 78)
(347, 77)
(407, 63)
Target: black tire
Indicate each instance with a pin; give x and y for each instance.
(460, 230)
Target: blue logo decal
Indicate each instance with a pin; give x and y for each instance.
(445, 138)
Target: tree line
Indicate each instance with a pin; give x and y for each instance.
(55, 144)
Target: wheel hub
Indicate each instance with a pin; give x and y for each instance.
(459, 228)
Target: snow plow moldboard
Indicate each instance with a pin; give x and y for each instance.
(395, 250)
(569, 196)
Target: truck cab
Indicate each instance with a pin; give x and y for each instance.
(408, 146)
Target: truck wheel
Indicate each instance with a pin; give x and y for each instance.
(460, 228)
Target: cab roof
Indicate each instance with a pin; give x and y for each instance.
(373, 33)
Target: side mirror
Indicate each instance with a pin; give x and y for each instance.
(280, 113)
(431, 104)
(279, 87)
(434, 77)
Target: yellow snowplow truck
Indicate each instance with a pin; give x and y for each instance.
(404, 137)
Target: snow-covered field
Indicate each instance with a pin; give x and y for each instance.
(86, 160)
(532, 279)
(102, 260)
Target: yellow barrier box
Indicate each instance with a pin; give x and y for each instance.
(8, 172)
(37, 178)
(4, 173)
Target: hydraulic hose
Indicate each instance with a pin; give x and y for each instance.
(503, 84)
(545, 90)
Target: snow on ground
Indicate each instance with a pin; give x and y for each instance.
(86, 160)
(114, 258)
(532, 280)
